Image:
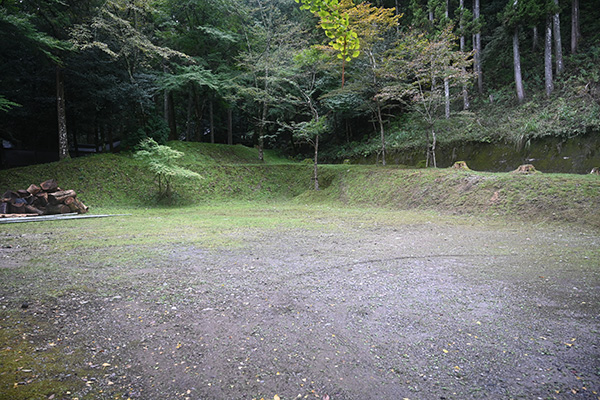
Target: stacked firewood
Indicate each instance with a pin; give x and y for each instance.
(45, 199)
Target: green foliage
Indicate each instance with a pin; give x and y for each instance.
(156, 129)
(115, 30)
(265, 61)
(6, 104)
(526, 13)
(309, 131)
(336, 25)
(161, 160)
(189, 74)
(18, 26)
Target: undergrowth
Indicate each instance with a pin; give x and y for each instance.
(573, 111)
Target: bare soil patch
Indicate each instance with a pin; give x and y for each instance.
(417, 308)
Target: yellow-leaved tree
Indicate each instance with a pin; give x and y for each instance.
(334, 20)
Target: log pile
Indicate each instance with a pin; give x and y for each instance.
(45, 199)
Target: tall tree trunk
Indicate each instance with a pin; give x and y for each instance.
(189, 129)
(263, 117)
(465, 92)
(102, 132)
(575, 33)
(549, 84)
(261, 132)
(446, 81)
(447, 98)
(343, 71)
(535, 39)
(316, 163)
(75, 144)
(170, 109)
(381, 131)
(373, 63)
(97, 135)
(517, 67)
(230, 125)
(111, 145)
(63, 139)
(557, 42)
(433, 145)
(477, 48)
(198, 114)
(211, 119)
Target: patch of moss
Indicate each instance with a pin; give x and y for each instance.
(31, 368)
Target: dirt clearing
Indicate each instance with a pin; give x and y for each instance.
(349, 304)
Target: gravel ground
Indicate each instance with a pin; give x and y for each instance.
(421, 308)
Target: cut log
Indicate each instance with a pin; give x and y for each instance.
(9, 196)
(23, 193)
(57, 209)
(16, 208)
(33, 210)
(59, 197)
(34, 189)
(41, 199)
(4, 208)
(49, 186)
(78, 207)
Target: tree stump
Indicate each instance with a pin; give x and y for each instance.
(461, 165)
(525, 169)
(595, 171)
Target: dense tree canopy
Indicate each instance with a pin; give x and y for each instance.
(271, 73)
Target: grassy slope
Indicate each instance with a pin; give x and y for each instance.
(538, 197)
(234, 173)
(107, 180)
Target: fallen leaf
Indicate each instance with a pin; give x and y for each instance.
(444, 350)
(276, 397)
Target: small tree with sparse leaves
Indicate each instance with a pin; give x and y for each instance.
(162, 161)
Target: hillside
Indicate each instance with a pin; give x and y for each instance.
(233, 173)
(557, 135)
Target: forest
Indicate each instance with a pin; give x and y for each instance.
(330, 79)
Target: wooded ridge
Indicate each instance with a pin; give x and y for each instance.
(311, 78)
